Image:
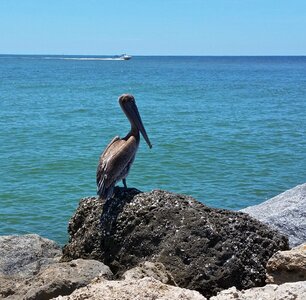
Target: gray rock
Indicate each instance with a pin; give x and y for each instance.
(54, 280)
(286, 291)
(285, 212)
(205, 249)
(24, 255)
(287, 266)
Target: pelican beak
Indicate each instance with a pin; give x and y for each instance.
(138, 122)
(134, 117)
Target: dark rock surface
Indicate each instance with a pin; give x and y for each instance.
(205, 249)
(285, 212)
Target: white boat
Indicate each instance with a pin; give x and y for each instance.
(125, 57)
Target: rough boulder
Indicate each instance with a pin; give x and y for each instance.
(205, 249)
(285, 212)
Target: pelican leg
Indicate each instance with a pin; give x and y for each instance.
(124, 183)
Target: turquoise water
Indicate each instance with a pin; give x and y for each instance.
(230, 131)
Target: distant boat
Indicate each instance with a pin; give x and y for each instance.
(125, 57)
(121, 57)
(117, 57)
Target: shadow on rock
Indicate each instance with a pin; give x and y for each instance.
(108, 221)
(113, 207)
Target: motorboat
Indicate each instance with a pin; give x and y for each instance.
(125, 57)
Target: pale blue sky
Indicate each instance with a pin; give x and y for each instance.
(153, 27)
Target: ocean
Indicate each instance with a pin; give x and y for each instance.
(229, 131)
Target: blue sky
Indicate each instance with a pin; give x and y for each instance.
(153, 27)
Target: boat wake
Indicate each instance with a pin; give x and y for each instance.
(90, 58)
(121, 57)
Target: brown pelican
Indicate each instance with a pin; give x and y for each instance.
(116, 160)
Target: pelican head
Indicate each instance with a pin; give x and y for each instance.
(128, 105)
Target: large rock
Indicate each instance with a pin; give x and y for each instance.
(286, 291)
(205, 249)
(146, 288)
(53, 280)
(287, 266)
(24, 255)
(30, 269)
(285, 212)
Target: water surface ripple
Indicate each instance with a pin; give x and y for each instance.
(230, 131)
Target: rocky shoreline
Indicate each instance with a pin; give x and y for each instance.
(161, 245)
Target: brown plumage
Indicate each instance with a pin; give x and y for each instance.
(116, 160)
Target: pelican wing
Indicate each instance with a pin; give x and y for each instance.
(115, 139)
(116, 157)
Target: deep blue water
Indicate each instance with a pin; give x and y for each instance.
(229, 131)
